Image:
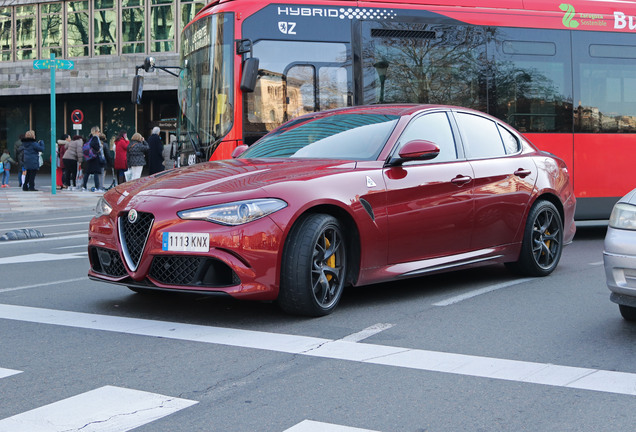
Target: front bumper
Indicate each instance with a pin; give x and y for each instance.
(619, 258)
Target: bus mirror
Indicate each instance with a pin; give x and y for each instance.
(250, 73)
(149, 64)
(137, 89)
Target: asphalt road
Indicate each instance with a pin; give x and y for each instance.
(475, 350)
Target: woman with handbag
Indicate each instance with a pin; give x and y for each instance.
(32, 150)
(93, 156)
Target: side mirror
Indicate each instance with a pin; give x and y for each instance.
(149, 64)
(416, 150)
(250, 73)
(137, 89)
(238, 151)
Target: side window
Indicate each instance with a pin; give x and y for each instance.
(432, 127)
(481, 136)
(510, 142)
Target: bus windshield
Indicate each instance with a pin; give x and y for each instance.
(206, 94)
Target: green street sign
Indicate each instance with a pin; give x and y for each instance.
(53, 63)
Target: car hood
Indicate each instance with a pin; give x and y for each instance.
(230, 176)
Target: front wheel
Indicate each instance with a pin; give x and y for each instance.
(542, 241)
(314, 266)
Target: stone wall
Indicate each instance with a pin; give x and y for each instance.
(90, 75)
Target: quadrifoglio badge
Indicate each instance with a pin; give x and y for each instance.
(573, 20)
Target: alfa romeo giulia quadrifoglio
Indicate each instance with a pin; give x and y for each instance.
(353, 196)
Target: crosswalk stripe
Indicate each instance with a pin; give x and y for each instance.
(8, 372)
(314, 426)
(107, 408)
(433, 361)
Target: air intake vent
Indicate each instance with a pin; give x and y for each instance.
(403, 34)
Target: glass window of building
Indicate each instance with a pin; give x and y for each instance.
(161, 26)
(6, 34)
(77, 29)
(132, 27)
(189, 9)
(51, 28)
(25, 29)
(105, 27)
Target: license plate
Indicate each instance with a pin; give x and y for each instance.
(186, 242)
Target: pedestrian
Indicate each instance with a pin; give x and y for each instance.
(107, 156)
(121, 149)
(136, 158)
(19, 156)
(168, 153)
(93, 159)
(5, 166)
(72, 157)
(32, 149)
(155, 152)
(60, 150)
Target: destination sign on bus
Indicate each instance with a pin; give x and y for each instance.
(195, 41)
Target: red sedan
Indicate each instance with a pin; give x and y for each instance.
(352, 196)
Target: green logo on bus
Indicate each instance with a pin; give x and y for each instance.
(569, 14)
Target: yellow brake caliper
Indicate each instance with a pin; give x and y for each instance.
(331, 261)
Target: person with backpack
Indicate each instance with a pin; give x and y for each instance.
(32, 149)
(91, 151)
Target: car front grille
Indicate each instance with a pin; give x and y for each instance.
(107, 262)
(187, 270)
(133, 236)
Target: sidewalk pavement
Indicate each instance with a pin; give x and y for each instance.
(13, 200)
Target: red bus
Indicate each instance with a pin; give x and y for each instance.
(562, 74)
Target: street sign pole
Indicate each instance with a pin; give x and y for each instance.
(53, 118)
(53, 64)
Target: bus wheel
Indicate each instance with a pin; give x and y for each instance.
(314, 266)
(542, 241)
(627, 312)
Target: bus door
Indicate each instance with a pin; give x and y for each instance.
(296, 78)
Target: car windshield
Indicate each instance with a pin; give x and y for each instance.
(348, 136)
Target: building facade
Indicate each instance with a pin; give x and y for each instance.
(106, 40)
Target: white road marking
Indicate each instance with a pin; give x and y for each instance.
(475, 293)
(71, 247)
(314, 426)
(41, 257)
(8, 372)
(23, 222)
(104, 409)
(2, 290)
(367, 332)
(597, 263)
(432, 361)
(21, 242)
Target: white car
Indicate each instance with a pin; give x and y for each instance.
(620, 255)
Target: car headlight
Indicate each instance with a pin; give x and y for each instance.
(102, 208)
(623, 216)
(235, 213)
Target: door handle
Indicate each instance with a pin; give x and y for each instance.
(461, 180)
(523, 172)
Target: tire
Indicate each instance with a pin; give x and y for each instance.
(542, 241)
(314, 266)
(628, 312)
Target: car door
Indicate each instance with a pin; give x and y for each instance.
(429, 203)
(504, 179)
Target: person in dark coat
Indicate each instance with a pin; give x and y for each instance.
(135, 157)
(19, 156)
(32, 149)
(155, 152)
(93, 164)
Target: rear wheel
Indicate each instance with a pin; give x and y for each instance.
(628, 312)
(314, 266)
(542, 241)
